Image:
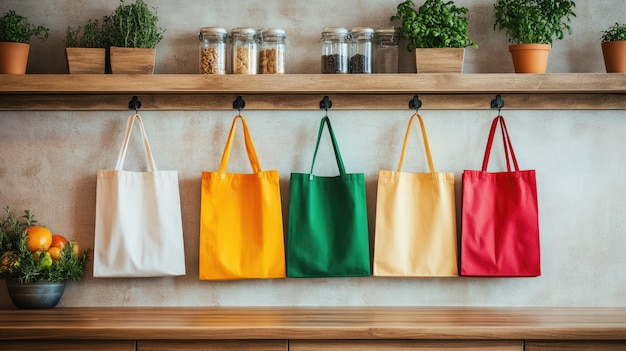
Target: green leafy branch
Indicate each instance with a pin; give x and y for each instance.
(436, 24)
(89, 36)
(133, 26)
(534, 21)
(615, 33)
(15, 28)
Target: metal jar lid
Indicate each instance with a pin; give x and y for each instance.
(245, 31)
(271, 34)
(212, 32)
(361, 32)
(335, 33)
(387, 34)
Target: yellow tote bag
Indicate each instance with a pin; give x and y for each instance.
(415, 220)
(241, 224)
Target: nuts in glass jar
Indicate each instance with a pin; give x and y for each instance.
(272, 53)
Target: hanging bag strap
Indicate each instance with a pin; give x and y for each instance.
(254, 160)
(431, 166)
(326, 121)
(146, 145)
(506, 141)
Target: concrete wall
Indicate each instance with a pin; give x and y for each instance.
(48, 160)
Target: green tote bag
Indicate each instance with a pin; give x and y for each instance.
(327, 231)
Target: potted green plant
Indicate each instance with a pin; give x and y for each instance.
(614, 48)
(15, 34)
(36, 263)
(85, 48)
(133, 33)
(437, 28)
(531, 26)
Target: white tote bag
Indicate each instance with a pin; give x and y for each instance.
(138, 219)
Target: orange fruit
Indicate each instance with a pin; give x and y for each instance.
(38, 238)
(55, 253)
(58, 241)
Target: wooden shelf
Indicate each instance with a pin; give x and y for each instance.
(304, 91)
(430, 323)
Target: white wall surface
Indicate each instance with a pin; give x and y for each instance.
(48, 160)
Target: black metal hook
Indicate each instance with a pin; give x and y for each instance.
(239, 103)
(326, 103)
(134, 104)
(415, 103)
(497, 103)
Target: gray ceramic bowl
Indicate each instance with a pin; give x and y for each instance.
(39, 294)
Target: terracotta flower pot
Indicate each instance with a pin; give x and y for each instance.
(530, 58)
(614, 53)
(13, 57)
(86, 60)
(439, 60)
(132, 60)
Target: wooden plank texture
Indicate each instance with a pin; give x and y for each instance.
(429, 83)
(303, 91)
(575, 346)
(67, 345)
(204, 323)
(204, 345)
(402, 345)
(204, 102)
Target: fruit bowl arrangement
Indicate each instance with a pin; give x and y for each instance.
(35, 262)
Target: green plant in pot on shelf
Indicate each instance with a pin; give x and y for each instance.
(85, 47)
(437, 28)
(133, 33)
(614, 48)
(531, 26)
(36, 263)
(15, 35)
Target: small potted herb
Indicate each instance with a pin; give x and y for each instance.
(133, 33)
(531, 26)
(436, 28)
(35, 263)
(15, 34)
(614, 48)
(85, 48)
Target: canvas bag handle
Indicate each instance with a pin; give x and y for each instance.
(431, 166)
(146, 145)
(326, 121)
(252, 156)
(506, 141)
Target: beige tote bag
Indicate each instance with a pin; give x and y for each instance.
(415, 220)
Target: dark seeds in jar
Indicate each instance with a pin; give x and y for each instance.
(357, 64)
(332, 64)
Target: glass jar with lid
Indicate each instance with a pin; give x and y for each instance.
(386, 52)
(212, 50)
(244, 51)
(272, 51)
(335, 50)
(361, 49)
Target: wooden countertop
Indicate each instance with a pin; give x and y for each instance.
(315, 323)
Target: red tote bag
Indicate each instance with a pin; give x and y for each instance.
(500, 224)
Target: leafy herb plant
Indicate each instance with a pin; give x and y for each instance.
(615, 32)
(17, 261)
(15, 28)
(534, 21)
(89, 36)
(133, 26)
(436, 24)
